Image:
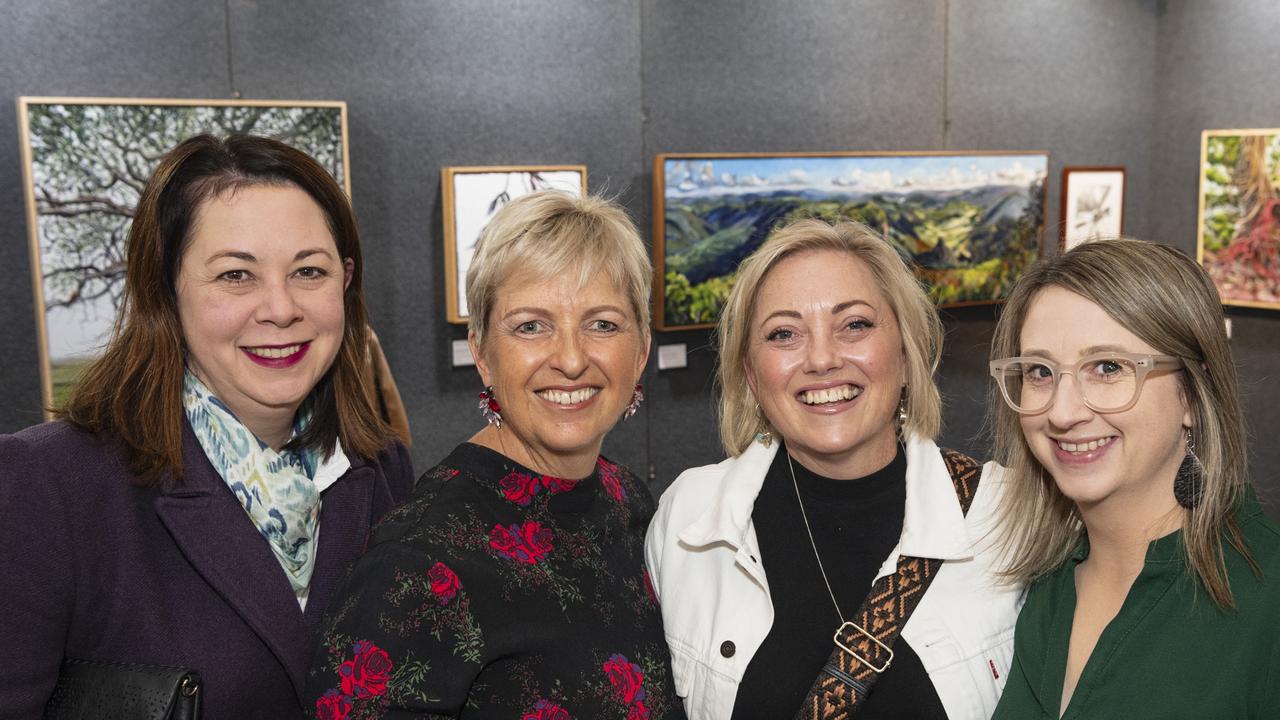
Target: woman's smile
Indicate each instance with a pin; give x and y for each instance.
(277, 356)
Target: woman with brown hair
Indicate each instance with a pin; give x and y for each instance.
(172, 514)
(1155, 572)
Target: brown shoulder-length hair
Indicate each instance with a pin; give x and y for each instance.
(134, 390)
(1170, 302)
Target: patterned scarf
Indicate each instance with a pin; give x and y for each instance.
(276, 489)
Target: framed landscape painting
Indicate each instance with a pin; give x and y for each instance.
(968, 223)
(1092, 204)
(85, 162)
(471, 196)
(1238, 241)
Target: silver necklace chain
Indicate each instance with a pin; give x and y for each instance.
(812, 544)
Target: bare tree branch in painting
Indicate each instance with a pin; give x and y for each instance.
(90, 163)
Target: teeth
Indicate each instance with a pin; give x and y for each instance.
(560, 397)
(274, 353)
(830, 395)
(1084, 447)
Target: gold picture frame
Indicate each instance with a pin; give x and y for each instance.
(84, 163)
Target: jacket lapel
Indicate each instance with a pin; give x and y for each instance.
(217, 537)
(345, 509)
(729, 516)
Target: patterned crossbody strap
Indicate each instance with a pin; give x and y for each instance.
(864, 645)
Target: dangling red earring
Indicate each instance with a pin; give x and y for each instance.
(637, 397)
(489, 407)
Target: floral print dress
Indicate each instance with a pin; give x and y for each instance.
(496, 592)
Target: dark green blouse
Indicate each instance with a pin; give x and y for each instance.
(1169, 653)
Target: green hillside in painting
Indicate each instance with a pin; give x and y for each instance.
(966, 246)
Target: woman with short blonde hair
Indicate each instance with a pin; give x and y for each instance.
(740, 417)
(828, 345)
(512, 584)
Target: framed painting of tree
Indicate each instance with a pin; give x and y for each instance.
(967, 223)
(1238, 238)
(85, 161)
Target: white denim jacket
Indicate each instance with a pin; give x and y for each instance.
(706, 568)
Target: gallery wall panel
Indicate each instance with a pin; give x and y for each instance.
(436, 84)
(1074, 79)
(815, 75)
(141, 48)
(609, 85)
(1217, 71)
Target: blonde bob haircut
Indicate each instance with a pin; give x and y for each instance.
(1165, 298)
(552, 234)
(921, 330)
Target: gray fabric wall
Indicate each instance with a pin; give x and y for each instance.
(611, 84)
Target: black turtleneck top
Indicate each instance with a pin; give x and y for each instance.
(856, 524)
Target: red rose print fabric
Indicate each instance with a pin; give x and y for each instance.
(444, 582)
(520, 487)
(527, 542)
(365, 674)
(546, 710)
(333, 705)
(498, 592)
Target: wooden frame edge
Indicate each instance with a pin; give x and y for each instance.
(1067, 170)
(33, 240)
(449, 220)
(1200, 180)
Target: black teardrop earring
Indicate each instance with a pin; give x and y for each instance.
(1188, 484)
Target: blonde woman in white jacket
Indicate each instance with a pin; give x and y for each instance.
(828, 411)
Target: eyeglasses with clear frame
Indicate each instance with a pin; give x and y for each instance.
(1106, 382)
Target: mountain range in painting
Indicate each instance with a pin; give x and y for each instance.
(967, 241)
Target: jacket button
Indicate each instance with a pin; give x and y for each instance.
(727, 648)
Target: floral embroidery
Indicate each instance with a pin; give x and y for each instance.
(444, 582)
(527, 542)
(558, 485)
(627, 680)
(365, 675)
(486, 544)
(610, 479)
(520, 488)
(546, 710)
(333, 705)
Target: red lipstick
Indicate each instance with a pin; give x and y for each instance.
(278, 362)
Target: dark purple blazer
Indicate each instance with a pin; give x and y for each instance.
(95, 567)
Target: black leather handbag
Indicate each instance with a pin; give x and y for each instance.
(123, 691)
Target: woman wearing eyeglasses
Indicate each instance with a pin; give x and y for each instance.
(1116, 413)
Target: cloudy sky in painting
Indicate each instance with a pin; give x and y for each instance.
(686, 177)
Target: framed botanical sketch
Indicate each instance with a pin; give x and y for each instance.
(1092, 204)
(85, 162)
(1238, 238)
(969, 223)
(471, 196)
